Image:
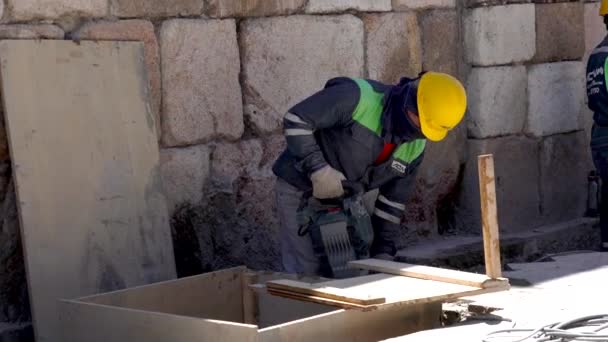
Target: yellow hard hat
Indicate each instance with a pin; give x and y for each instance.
(442, 102)
(604, 8)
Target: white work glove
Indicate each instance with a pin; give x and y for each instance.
(327, 183)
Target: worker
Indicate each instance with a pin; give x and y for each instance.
(597, 96)
(364, 131)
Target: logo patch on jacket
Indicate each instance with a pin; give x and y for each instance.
(399, 167)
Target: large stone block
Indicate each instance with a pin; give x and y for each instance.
(393, 46)
(563, 177)
(404, 5)
(282, 66)
(497, 101)
(441, 47)
(517, 184)
(24, 10)
(156, 8)
(559, 28)
(231, 160)
(253, 8)
(500, 34)
(243, 169)
(334, 6)
(184, 172)
(134, 30)
(200, 85)
(595, 29)
(556, 97)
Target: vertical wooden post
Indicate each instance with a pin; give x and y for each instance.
(489, 216)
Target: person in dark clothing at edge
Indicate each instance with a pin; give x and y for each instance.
(365, 131)
(597, 95)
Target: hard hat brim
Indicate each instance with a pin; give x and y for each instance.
(430, 132)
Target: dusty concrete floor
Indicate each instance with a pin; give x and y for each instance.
(560, 288)
(464, 252)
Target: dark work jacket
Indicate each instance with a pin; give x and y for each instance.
(341, 125)
(597, 95)
(597, 91)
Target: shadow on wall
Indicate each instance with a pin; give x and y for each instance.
(218, 233)
(14, 299)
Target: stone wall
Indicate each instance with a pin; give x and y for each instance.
(223, 72)
(527, 107)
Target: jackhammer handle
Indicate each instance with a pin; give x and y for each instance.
(352, 188)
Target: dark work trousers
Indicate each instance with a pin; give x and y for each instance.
(599, 150)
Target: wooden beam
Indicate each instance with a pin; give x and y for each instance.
(489, 216)
(429, 273)
(324, 291)
(318, 300)
(398, 291)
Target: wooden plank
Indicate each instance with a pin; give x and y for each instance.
(357, 326)
(87, 322)
(398, 291)
(316, 299)
(489, 216)
(214, 295)
(325, 291)
(429, 273)
(275, 310)
(85, 161)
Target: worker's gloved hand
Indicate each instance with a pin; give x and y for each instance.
(327, 183)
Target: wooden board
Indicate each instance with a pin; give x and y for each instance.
(85, 160)
(315, 299)
(187, 296)
(281, 319)
(86, 322)
(357, 326)
(429, 273)
(325, 291)
(274, 310)
(398, 291)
